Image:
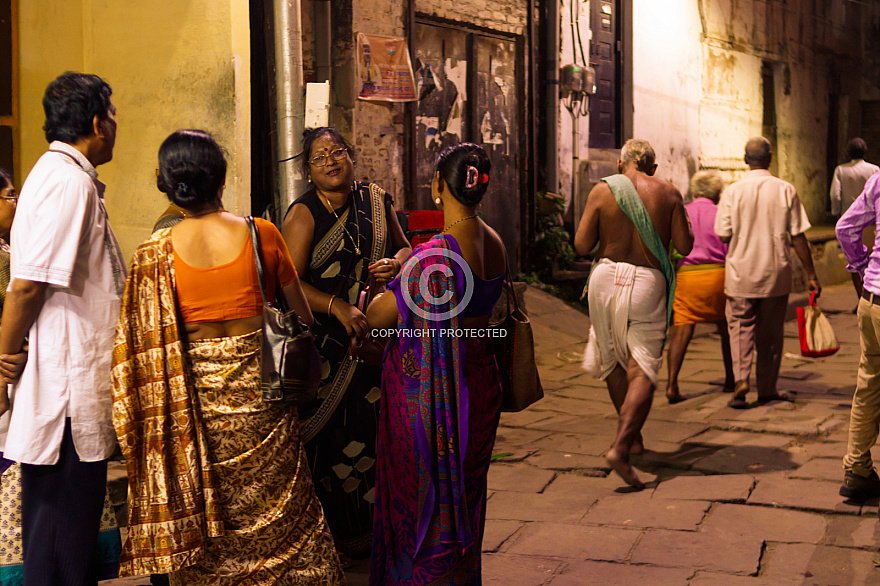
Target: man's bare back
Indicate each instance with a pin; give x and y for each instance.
(606, 223)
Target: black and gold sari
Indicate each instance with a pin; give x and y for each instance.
(341, 434)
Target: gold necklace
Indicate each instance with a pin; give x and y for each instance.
(446, 229)
(357, 249)
(200, 214)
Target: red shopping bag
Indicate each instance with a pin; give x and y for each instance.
(815, 332)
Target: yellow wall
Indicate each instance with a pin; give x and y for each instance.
(171, 65)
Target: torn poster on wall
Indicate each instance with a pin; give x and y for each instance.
(384, 69)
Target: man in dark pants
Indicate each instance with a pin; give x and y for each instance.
(67, 276)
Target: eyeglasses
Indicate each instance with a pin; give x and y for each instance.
(336, 155)
(11, 195)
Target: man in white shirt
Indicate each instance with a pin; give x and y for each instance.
(761, 217)
(848, 182)
(67, 276)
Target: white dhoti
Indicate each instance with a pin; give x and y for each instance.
(628, 315)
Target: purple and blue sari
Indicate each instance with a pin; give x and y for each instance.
(440, 405)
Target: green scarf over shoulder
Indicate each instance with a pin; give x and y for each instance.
(629, 201)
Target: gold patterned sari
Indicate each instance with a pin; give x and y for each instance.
(219, 489)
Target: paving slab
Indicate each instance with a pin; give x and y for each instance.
(575, 542)
(817, 495)
(765, 523)
(847, 531)
(675, 432)
(673, 455)
(515, 570)
(720, 579)
(742, 438)
(644, 512)
(523, 418)
(498, 531)
(830, 469)
(553, 460)
(576, 443)
(518, 478)
(716, 487)
(597, 424)
(699, 551)
(823, 565)
(610, 485)
(567, 406)
(554, 507)
(610, 574)
(750, 459)
(518, 436)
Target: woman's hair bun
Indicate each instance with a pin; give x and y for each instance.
(192, 168)
(465, 168)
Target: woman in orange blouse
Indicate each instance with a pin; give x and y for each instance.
(219, 491)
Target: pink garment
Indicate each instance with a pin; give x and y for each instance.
(708, 248)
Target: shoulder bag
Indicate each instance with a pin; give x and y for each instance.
(515, 356)
(291, 365)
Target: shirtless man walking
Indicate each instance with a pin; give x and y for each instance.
(633, 217)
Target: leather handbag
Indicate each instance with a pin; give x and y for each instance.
(515, 356)
(291, 365)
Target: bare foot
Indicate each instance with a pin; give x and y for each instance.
(623, 468)
(673, 396)
(638, 446)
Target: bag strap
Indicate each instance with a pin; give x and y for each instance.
(258, 255)
(509, 281)
(812, 298)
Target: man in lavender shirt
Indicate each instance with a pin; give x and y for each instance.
(860, 479)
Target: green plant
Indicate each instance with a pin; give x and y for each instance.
(552, 242)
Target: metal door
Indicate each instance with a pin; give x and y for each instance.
(605, 120)
(441, 67)
(496, 129)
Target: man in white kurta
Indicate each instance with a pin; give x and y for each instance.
(761, 217)
(67, 276)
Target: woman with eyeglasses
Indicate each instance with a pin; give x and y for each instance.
(345, 241)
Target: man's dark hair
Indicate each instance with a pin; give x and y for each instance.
(5, 179)
(192, 168)
(313, 134)
(856, 148)
(71, 103)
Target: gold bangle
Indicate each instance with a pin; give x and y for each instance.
(330, 305)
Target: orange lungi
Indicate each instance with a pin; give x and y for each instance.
(699, 294)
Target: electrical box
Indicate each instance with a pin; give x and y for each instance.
(317, 105)
(589, 80)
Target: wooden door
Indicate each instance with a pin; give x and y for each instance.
(605, 115)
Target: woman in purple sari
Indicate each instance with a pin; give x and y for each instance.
(441, 395)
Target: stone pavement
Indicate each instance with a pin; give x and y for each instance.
(733, 498)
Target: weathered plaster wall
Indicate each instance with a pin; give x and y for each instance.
(667, 74)
(698, 88)
(171, 64)
(378, 126)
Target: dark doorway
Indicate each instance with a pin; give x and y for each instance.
(471, 92)
(263, 157)
(870, 130)
(833, 146)
(8, 85)
(606, 127)
(768, 125)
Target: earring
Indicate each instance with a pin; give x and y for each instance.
(437, 201)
